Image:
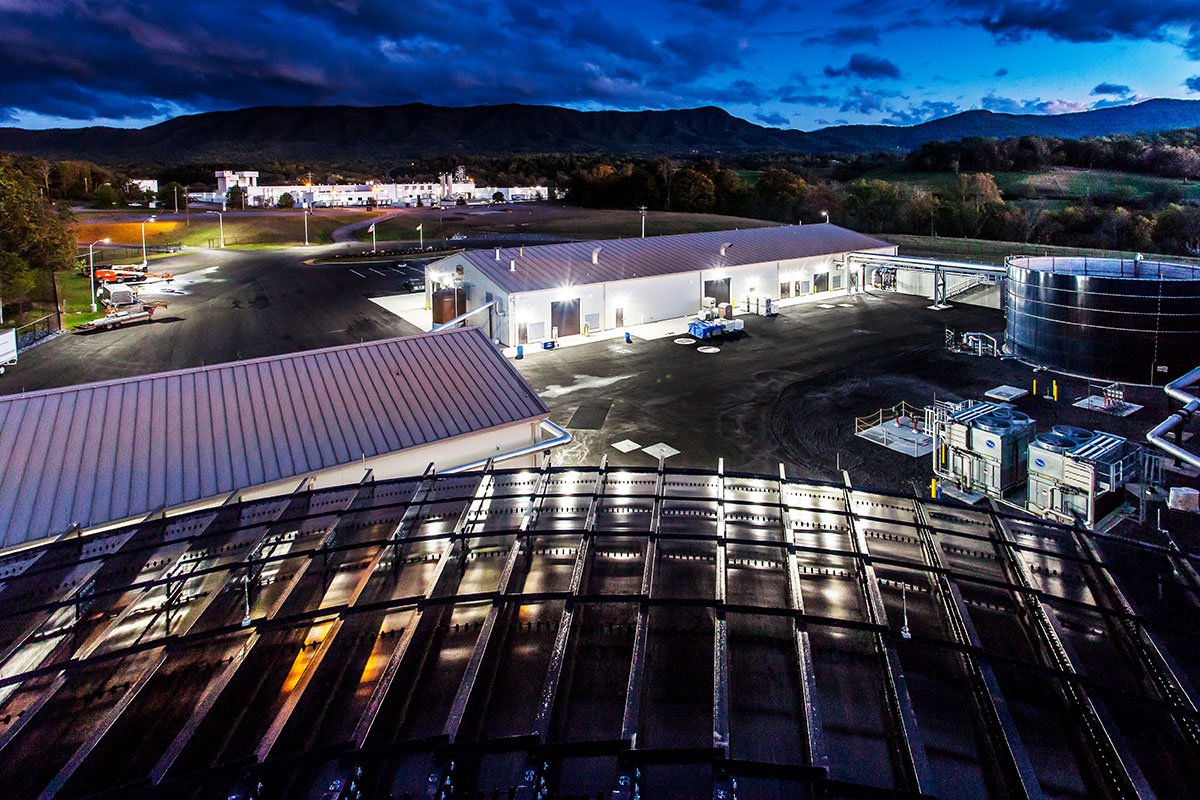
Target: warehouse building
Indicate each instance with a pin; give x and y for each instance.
(549, 291)
(84, 457)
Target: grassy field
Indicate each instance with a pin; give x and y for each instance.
(75, 293)
(550, 219)
(253, 230)
(1060, 184)
(988, 252)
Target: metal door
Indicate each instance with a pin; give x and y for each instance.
(564, 316)
(620, 318)
(821, 282)
(718, 289)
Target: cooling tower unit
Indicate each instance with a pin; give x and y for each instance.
(1133, 321)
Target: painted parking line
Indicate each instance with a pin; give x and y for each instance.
(359, 274)
(397, 271)
(377, 272)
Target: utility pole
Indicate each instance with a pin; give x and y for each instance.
(176, 190)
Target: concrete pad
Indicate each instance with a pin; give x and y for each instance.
(708, 349)
(408, 307)
(826, 305)
(685, 340)
(627, 446)
(1096, 403)
(845, 305)
(901, 438)
(1005, 393)
(660, 450)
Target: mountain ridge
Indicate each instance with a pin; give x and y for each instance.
(417, 130)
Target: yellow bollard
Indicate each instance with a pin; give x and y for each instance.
(933, 488)
(1035, 387)
(1055, 389)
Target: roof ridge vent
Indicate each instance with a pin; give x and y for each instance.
(596, 255)
(497, 253)
(725, 247)
(512, 265)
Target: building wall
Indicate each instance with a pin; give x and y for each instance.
(642, 300)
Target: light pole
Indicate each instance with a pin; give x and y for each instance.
(187, 208)
(92, 268)
(421, 231)
(221, 222)
(144, 260)
(825, 214)
(175, 189)
(305, 224)
(643, 210)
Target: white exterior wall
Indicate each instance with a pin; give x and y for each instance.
(643, 300)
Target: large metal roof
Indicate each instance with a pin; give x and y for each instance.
(587, 632)
(199, 433)
(553, 266)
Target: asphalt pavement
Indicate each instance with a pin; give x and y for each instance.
(226, 305)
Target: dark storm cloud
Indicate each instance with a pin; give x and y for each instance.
(922, 112)
(1193, 83)
(1114, 89)
(848, 36)
(865, 65)
(136, 59)
(774, 119)
(1085, 20)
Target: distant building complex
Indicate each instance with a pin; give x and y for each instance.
(448, 188)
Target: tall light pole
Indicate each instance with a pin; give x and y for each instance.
(825, 214)
(421, 231)
(643, 210)
(187, 208)
(175, 189)
(145, 262)
(221, 222)
(92, 268)
(306, 224)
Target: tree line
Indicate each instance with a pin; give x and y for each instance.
(34, 237)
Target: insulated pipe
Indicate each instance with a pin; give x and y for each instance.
(561, 436)
(1191, 405)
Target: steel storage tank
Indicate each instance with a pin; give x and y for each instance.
(1122, 320)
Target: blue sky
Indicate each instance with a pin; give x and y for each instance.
(786, 64)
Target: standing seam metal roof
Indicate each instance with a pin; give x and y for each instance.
(204, 432)
(553, 266)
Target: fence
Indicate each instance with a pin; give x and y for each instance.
(34, 333)
(988, 252)
(108, 255)
(901, 409)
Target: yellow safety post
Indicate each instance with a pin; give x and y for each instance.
(1035, 387)
(933, 488)
(1055, 390)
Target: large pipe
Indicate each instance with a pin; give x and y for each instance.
(560, 437)
(1191, 404)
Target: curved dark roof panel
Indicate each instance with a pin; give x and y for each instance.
(552, 266)
(108, 451)
(600, 632)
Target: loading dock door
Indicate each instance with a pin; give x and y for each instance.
(821, 282)
(564, 315)
(718, 289)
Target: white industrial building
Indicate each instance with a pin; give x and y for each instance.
(549, 291)
(447, 188)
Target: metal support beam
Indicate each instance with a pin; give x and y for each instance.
(631, 718)
(498, 613)
(101, 730)
(1170, 682)
(720, 731)
(911, 751)
(814, 745)
(1111, 756)
(992, 706)
(550, 684)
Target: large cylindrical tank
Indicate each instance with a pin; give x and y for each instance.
(1132, 321)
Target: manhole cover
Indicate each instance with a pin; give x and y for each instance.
(708, 349)
(684, 340)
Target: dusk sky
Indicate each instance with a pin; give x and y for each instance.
(786, 64)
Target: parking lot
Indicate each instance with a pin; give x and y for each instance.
(788, 391)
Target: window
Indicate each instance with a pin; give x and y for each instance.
(785, 290)
(837, 281)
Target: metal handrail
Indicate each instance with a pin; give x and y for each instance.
(561, 436)
(1191, 404)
